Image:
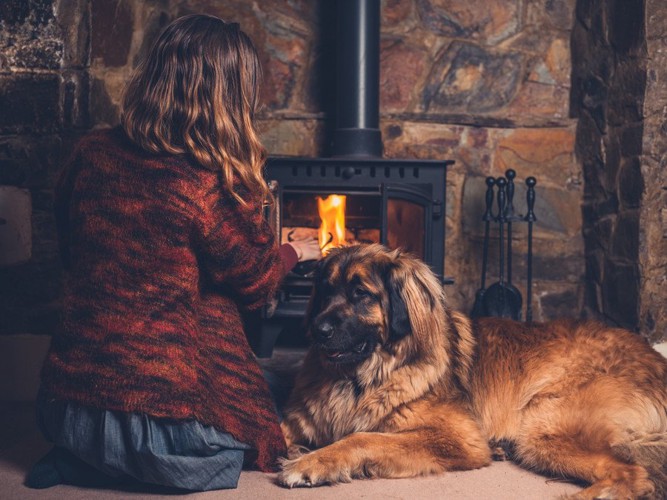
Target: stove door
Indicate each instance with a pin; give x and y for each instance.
(408, 210)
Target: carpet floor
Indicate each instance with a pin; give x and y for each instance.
(21, 445)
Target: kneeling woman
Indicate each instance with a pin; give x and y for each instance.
(165, 246)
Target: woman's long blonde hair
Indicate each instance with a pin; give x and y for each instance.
(196, 94)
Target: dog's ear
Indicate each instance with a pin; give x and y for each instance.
(399, 317)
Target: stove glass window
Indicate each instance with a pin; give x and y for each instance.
(363, 219)
(301, 217)
(406, 226)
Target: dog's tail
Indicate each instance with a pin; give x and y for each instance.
(649, 451)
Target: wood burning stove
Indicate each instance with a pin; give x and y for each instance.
(399, 203)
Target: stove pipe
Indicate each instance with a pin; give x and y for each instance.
(357, 131)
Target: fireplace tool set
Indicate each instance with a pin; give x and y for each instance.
(502, 298)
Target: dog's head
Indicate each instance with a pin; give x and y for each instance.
(369, 299)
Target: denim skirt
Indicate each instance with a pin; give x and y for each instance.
(176, 454)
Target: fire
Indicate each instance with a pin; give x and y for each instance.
(332, 229)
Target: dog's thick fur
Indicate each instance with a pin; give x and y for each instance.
(397, 385)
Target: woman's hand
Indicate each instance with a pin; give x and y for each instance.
(307, 249)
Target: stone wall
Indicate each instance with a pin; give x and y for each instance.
(484, 83)
(653, 212)
(621, 146)
(43, 105)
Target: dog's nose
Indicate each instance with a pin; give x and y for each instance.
(324, 330)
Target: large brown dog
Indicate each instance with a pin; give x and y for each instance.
(397, 385)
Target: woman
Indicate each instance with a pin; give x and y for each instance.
(165, 246)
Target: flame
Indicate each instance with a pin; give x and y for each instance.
(332, 229)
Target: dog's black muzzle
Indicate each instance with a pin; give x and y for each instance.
(341, 339)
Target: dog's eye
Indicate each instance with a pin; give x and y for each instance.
(360, 293)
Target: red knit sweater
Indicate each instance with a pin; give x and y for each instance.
(160, 263)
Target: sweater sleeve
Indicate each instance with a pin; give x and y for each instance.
(239, 254)
(289, 257)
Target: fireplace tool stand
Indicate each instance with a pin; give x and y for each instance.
(502, 298)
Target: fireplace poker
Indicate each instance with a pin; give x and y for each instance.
(530, 218)
(509, 216)
(477, 310)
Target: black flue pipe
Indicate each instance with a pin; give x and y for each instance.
(357, 131)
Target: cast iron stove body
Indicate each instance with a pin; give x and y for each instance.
(399, 203)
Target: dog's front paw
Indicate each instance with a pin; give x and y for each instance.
(310, 470)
